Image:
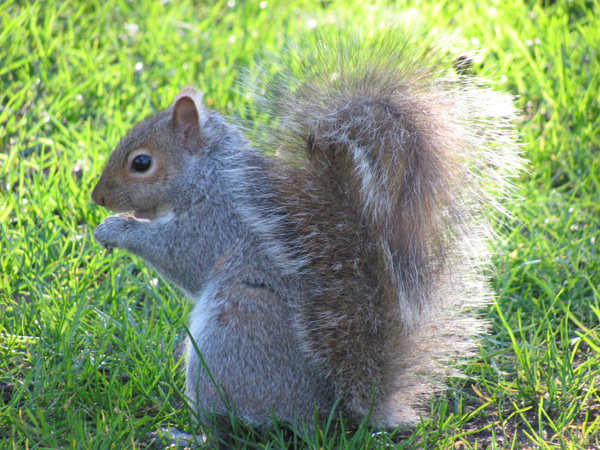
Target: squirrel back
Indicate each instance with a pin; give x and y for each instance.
(346, 258)
(391, 165)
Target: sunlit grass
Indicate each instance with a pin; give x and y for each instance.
(86, 337)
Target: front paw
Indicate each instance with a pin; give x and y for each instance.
(111, 231)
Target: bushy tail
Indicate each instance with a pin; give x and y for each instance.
(396, 160)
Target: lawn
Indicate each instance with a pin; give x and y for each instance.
(86, 336)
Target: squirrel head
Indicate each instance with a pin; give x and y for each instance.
(142, 170)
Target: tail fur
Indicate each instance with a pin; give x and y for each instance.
(394, 160)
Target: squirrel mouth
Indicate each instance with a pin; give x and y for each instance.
(152, 214)
(143, 214)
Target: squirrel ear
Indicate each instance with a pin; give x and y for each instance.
(187, 116)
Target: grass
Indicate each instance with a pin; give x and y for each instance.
(86, 336)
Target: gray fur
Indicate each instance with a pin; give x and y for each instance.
(348, 265)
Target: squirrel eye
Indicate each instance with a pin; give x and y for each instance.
(141, 163)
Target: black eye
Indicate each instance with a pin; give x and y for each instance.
(141, 163)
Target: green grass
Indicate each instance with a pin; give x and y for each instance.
(86, 336)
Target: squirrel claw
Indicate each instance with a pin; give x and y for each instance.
(110, 230)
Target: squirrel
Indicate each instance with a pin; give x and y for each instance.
(340, 258)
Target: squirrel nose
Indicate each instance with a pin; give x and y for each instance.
(98, 199)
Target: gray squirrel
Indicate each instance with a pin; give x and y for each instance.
(342, 256)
